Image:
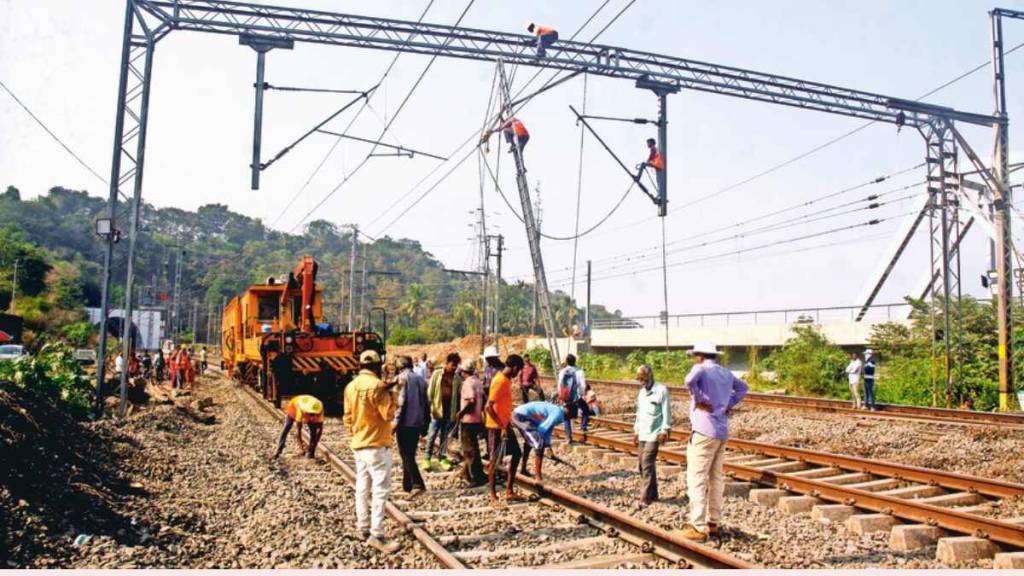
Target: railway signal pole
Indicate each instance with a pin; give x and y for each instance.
(352, 278)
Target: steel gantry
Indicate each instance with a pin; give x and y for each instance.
(148, 21)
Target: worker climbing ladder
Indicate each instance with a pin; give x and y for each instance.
(540, 278)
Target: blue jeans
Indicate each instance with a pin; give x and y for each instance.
(578, 406)
(544, 41)
(438, 431)
(869, 392)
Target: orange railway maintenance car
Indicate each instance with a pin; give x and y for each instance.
(275, 340)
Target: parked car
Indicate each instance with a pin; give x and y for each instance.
(85, 356)
(11, 351)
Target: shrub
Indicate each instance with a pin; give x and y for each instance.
(404, 336)
(809, 364)
(55, 374)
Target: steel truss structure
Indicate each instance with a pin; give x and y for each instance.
(149, 21)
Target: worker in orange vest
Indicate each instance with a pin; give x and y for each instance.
(303, 409)
(654, 159)
(511, 128)
(545, 37)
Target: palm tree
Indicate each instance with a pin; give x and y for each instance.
(415, 303)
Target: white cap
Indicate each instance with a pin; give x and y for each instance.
(868, 352)
(704, 349)
(490, 352)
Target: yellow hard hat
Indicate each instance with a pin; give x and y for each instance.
(369, 357)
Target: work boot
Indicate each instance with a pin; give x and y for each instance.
(691, 533)
(383, 545)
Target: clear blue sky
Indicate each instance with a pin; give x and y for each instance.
(60, 57)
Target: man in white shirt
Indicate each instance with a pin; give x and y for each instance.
(650, 430)
(853, 372)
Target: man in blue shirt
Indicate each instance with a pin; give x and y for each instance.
(714, 391)
(869, 380)
(536, 421)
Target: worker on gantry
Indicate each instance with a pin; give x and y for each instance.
(303, 409)
(654, 159)
(545, 37)
(511, 128)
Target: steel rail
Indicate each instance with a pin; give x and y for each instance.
(655, 537)
(422, 536)
(650, 537)
(924, 413)
(300, 25)
(952, 480)
(995, 530)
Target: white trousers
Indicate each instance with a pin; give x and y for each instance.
(705, 483)
(373, 474)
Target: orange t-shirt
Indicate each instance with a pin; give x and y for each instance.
(500, 397)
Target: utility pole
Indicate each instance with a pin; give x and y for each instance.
(341, 312)
(486, 281)
(538, 213)
(540, 276)
(586, 320)
(14, 286)
(497, 290)
(352, 279)
(362, 292)
(1002, 204)
(175, 301)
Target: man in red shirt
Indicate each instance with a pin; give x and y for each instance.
(528, 380)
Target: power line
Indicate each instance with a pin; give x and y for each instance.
(359, 112)
(476, 134)
(386, 127)
(52, 135)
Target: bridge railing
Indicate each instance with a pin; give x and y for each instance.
(816, 315)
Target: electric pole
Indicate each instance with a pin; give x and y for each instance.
(497, 288)
(362, 292)
(352, 279)
(486, 281)
(586, 320)
(14, 286)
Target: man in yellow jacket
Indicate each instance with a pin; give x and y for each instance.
(370, 407)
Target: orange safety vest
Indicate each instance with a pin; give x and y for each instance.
(518, 128)
(655, 159)
(305, 408)
(542, 30)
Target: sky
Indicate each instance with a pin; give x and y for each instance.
(61, 58)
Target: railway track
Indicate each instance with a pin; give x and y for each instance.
(552, 529)
(940, 416)
(838, 487)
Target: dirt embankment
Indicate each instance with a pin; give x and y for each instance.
(467, 347)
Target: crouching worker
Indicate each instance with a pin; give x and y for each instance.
(304, 409)
(536, 421)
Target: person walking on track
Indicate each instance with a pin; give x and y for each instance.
(472, 423)
(714, 391)
(650, 430)
(303, 409)
(500, 437)
(853, 372)
(411, 420)
(370, 407)
(443, 394)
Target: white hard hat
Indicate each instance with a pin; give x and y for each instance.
(490, 352)
(704, 349)
(868, 352)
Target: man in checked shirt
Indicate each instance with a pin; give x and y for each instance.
(714, 391)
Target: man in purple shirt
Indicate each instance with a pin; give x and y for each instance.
(714, 390)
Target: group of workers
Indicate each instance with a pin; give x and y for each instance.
(477, 402)
(180, 366)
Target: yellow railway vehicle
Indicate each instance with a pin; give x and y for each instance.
(275, 340)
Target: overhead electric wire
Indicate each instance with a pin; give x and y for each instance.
(519, 217)
(355, 117)
(475, 135)
(394, 116)
(52, 135)
(579, 198)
